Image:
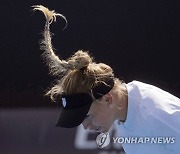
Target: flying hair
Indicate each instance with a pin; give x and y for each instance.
(56, 65)
(77, 74)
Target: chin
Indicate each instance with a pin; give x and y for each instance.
(105, 129)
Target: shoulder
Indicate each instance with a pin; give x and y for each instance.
(149, 91)
(152, 101)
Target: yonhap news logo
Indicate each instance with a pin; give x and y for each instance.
(103, 140)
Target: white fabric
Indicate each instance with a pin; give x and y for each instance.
(152, 112)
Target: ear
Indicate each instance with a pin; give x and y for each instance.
(108, 99)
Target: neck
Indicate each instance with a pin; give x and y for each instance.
(121, 104)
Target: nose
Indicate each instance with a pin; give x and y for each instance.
(85, 124)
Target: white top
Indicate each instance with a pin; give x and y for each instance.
(153, 121)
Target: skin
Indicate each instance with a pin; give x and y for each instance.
(105, 111)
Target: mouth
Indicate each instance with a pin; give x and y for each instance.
(99, 130)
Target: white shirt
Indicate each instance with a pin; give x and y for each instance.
(153, 114)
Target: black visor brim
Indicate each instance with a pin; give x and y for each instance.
(73, 117)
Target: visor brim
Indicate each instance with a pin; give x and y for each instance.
(73, 117)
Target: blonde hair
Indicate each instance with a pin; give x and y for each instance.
(77, 74)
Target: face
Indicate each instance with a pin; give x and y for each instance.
(100, 116)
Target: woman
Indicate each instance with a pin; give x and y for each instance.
(90, 94)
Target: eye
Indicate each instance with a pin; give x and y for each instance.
(87, 116)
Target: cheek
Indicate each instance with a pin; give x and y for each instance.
(100, 118)
(96, 120)
(103, 121)
(101, 115)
